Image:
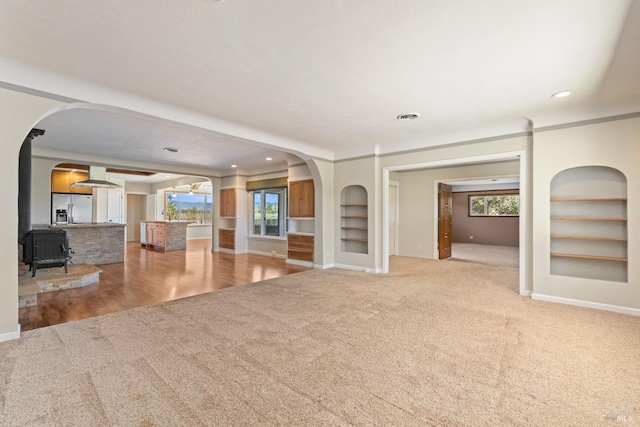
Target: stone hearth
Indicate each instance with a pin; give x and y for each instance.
(54, 279)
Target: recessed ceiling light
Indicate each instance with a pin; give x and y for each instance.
(171, 150)
(268, 159)
(234, 166)
(408, 116)
(561, 94)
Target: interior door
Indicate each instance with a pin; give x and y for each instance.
(393, 200)
(444, 221)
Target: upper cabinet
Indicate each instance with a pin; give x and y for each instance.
(61, 181)
(228, 203)
(301, 199)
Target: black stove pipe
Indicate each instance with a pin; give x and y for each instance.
(24, 185)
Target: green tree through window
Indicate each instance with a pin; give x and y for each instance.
(494, 205)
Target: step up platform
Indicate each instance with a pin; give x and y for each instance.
(54, 279)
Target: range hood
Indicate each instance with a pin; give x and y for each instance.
(97, 179)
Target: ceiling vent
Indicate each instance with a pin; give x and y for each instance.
(408, 116)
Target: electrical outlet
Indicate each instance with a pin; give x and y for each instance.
(273, 253)
(470, 237)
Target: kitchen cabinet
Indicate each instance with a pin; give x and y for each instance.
(301, 199)
(61, 181)
(156, 235)
(300, 247)
(228, 203)
(227, 238)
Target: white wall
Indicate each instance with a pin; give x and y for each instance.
(19, 113)
(614, 144)
(41, 189)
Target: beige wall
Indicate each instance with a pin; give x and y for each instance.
(18, 114)
(495, 230)
(355, 172)
(614, 144)
(417, 235)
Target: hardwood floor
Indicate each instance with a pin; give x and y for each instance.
(150, 277)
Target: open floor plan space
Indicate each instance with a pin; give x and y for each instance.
(150, 277)
(431, 343)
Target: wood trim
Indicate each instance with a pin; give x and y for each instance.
(611, 239)
(603, 199)
(594, 257)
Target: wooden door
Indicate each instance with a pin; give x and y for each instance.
(444, 221)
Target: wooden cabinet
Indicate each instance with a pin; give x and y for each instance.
(61, 181)
(301, 199)
(156, 235)
(227, 239)
(228, 203)
(300, 247)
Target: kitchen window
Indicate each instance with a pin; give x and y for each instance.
(189, 207)
(269, 212)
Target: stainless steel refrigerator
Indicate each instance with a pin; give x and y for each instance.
(79, 207)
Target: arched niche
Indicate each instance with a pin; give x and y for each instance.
(354, 219)
(588, 236)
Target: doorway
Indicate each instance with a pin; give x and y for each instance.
(136, 205)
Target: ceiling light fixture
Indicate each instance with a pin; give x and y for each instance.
(561, 94)
(191, 190)
(171, 150)
(234, 166)
(174, 191)
(268, 159)
(408, 116)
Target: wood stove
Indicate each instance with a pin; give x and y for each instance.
(45, 248)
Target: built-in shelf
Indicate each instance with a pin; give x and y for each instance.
(592, 199)
(611, 239)
(594, 257)
(580, 218)
(589, 223)
(354, 215)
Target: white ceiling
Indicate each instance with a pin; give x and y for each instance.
(329, 74)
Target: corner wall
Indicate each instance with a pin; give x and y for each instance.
(19, 112)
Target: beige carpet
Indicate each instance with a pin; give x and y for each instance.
(433, 343)
(496, 255)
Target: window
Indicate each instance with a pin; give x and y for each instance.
(494, 205)
(189, 207)
(269, 216)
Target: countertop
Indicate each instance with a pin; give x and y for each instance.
(96, 225)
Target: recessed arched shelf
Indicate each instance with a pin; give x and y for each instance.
(354, 219)
(588, 236)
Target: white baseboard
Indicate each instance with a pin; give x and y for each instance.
(267, 254)
(357, 268)
(587, 304)
(526, 293)
(323, 266)
(300, 263)
(8, 336)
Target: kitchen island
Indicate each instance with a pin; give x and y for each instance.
(164, 235)
(95, 243)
